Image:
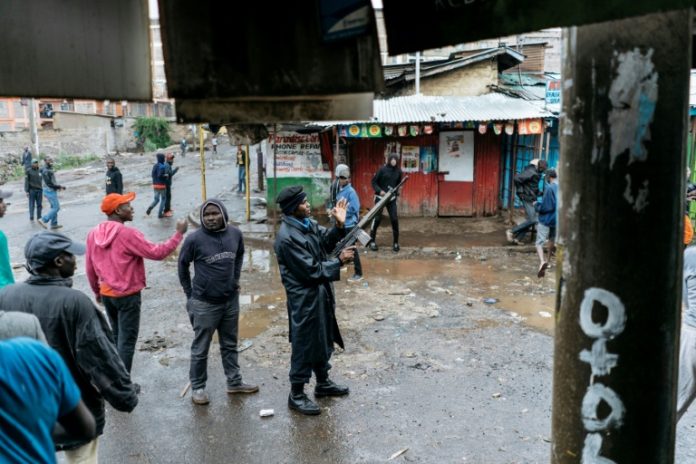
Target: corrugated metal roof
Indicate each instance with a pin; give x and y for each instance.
(418, 109)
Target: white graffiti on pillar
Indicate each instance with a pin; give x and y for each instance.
(601, 362)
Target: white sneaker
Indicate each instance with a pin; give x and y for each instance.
(199, 396)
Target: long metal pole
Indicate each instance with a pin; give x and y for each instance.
(275, 177)
(247, 183)
(511, 201)
(202, 151)
(33, 128)
(418, 55)
(625, 101)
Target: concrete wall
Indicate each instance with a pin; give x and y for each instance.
(468, 81)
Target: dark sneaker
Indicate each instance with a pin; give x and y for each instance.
(329, 388)
(303, 405)
(242, 388)
(148, 211)
(542, 269)
(373, 246)
(199, 396)
(57, 226)
(396, 248)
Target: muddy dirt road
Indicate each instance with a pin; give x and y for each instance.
(433, 369)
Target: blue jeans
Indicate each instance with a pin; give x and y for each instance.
(35, 203)
(52, 197)
(520, 231)
(242, 179)
(206, 318)
(161, 198)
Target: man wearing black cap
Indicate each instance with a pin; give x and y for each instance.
(75, 328)
(6, 277)
(33, 186)
(302, 248)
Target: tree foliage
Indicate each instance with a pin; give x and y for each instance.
(152, 132)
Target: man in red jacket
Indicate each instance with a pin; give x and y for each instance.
(116, 268)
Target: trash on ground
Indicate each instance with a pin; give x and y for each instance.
(266, 412)
(244, 345)
(490, 300)
(397, 454)
(544, 314)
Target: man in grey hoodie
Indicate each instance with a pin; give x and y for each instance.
(217, 253)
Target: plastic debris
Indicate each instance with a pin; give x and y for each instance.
(490, 300)
(266, 412)
(397, 454)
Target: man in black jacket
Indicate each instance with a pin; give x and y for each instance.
(74, 327)
(302, 248)
(50, 191)
(217, 253)
(34, 189)
(527, 189)
(114, 179)
(388, 176)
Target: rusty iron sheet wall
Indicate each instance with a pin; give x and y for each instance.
(487, 158)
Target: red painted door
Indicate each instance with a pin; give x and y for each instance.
(456, 179)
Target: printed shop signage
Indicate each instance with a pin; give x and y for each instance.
(297, 155)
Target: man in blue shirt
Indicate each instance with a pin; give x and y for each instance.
(346, 190)
(36, 390)
(546, 227)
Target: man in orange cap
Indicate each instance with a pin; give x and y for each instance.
(116, 268)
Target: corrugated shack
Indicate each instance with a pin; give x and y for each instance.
(452, 148)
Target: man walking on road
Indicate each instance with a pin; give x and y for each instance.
(171, 171)
(114, 179)
(241, 170)
(546, 228)
(26, 158)
(75, 328)
(302, 248)
(217, 253)
(116, 268)
(34, 189)
(388, 176)
(6, 276)
(50, 191)
(527, 188)
(159, 185)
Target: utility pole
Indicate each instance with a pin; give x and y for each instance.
(247, 183)
(625, 100)
(33, 128)
(202, 151)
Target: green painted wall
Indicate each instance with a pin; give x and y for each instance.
(317, 189)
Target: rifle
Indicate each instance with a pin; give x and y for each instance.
(358, 234)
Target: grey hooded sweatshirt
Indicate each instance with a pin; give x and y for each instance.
(217, 258)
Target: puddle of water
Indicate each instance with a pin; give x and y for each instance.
(529, 307)
(255, 321)
(408, 268)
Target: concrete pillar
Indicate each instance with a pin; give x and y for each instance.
(623, 129)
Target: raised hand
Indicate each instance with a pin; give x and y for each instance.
(339, 212)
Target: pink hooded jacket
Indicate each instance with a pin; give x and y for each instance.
(115, 257)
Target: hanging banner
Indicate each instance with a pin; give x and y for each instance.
(497, 128)
(388, 131)
(482, 128)
(297, 155)
(428, 129)
(403, 130)
(457, 155)
(530, 126)
(428, 159)
(413, 130)
(410, 158)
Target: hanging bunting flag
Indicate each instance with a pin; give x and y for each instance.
(428, 129)
(388, 131)
(530, 126)
(509, 128)
(342, 131)
(459, 125)
(482, 128)
(413, 130)
(374, 130)
(403, 130)
(497, 128)
(354, 130)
